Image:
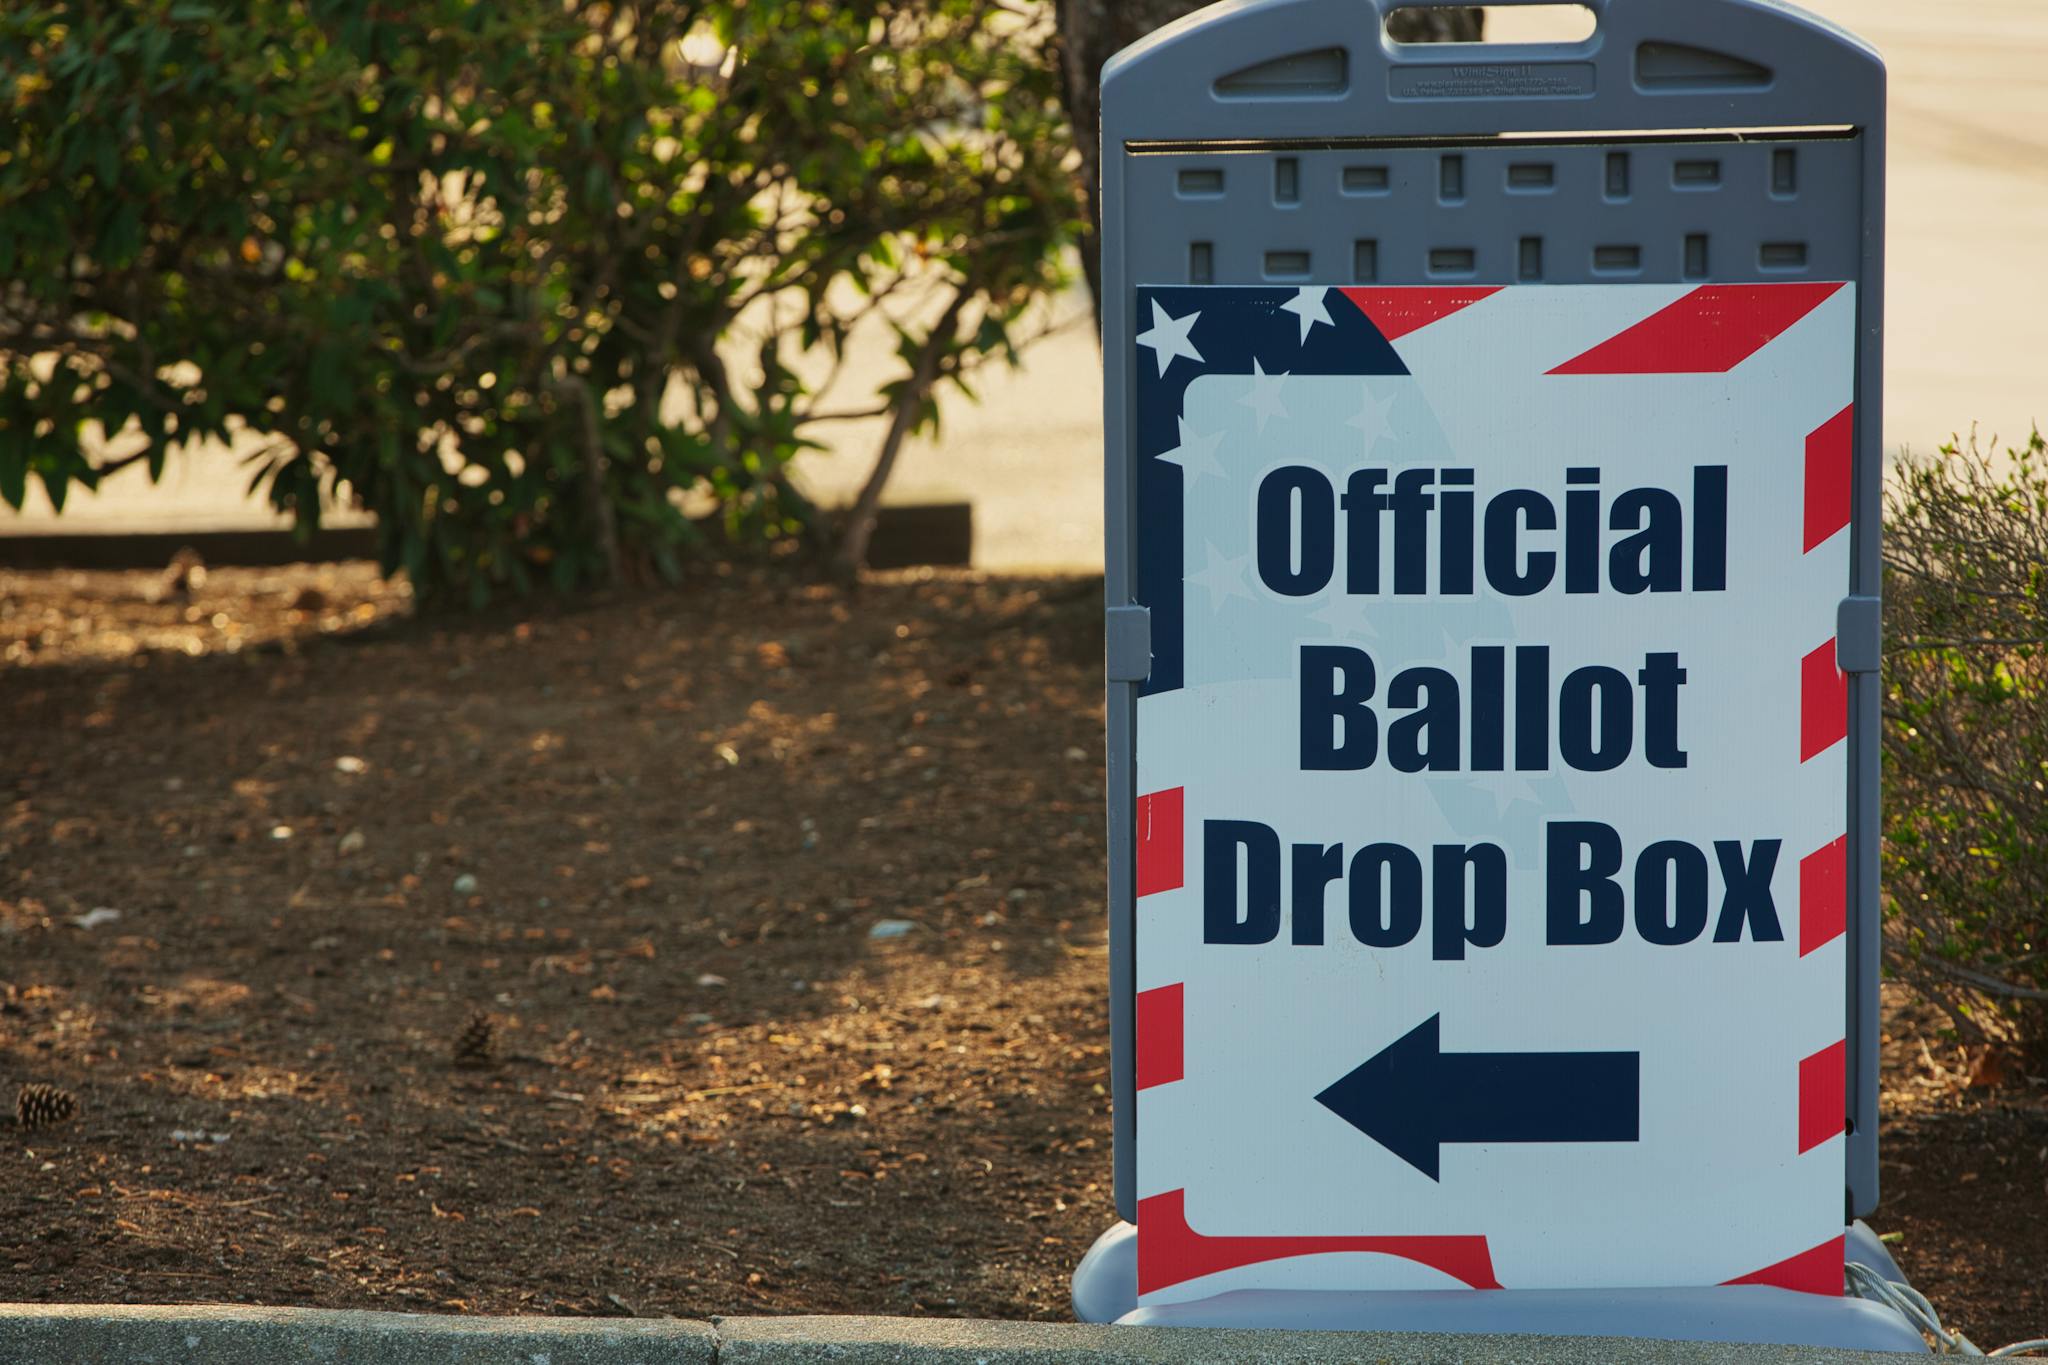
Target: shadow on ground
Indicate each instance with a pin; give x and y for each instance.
(652, 838)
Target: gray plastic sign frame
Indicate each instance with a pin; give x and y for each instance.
(1262, 142)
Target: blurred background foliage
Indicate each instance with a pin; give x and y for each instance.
(551, 287)
(557, 290)
(1966, 737)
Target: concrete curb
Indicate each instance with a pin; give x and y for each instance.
(50, 1334)
(87, 1334)
(925, 1341)
(905, 537)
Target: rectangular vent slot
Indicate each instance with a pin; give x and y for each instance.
(1323, 72)
(1677, 66)
(1452, 260)
(1287, 265)
(1783, 256)
(1617, 175)
(1532, 258)
(1201, 263)
(1692, 175)
(1365, 180)
(1201, 183)
(1696, 256)
(1785, 171)
(1451, 179)
(1287, 180)
(1617, 260)
(1531, 175)
(1365, 261)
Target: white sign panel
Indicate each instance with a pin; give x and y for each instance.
(1492, 787)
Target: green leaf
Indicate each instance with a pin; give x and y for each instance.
(13, 479)
(56, 484)
(121, 240)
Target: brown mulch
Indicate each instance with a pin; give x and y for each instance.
(269, 844)
(1963, 1177)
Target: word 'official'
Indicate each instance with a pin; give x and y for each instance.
(1307, 530)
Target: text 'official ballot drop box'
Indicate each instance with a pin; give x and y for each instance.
(1493, 480)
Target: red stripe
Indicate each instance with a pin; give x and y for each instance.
(1397, 312)
(1823, 895)
(1823, 1095)
(1818, 1271)
(1823, 702)
(1160, 817)
(1170, 1252)
(1709, 331)
(1829, 454)
(1162, 1036)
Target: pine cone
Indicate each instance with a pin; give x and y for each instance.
(43, 1106)
(478, 1041)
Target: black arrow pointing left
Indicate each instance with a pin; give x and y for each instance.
(1413, 1096)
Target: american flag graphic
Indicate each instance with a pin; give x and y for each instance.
(1547, 435)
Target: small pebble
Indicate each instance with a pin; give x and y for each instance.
(891, 928)
(465, 885)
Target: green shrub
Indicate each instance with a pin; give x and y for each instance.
(527, 279)
(1966, 735)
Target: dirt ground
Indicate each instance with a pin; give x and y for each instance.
(267, 842)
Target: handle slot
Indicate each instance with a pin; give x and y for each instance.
(1522, 22)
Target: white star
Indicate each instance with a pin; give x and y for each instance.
(1347, 617)
(1169, 337)
(1509, 788)
(1222, 578)
(1196, 455)
(1309, 304)
(1372, 419)
(1263, 397)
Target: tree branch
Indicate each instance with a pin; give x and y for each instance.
(860, 521)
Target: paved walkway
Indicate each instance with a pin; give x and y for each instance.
(1968, 289)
